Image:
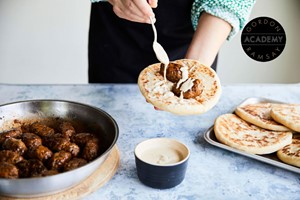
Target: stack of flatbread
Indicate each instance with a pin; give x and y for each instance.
(263, 128)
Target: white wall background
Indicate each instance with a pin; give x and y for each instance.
(45, 41)
(236, 67)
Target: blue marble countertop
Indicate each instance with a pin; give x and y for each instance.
(212, 173)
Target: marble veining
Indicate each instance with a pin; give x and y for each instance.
(212, 173)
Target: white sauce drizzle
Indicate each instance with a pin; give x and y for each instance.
(187, 85)
(181, 97)
(165, 70)
(192, 68)
(185, 75)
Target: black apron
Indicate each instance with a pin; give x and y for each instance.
(120, 49)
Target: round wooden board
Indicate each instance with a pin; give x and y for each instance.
(101, 176)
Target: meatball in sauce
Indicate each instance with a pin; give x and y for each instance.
(36, 150)
(184, 86)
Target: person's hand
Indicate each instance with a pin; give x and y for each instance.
(156, 108)
(134, 10)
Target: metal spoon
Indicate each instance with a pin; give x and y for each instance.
(161, 54)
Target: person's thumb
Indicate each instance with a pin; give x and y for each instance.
(153, 3)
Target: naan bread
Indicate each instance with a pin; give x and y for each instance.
(158, 92)
(290, 154)
(237, 133)
(259, 115)
(288, 115)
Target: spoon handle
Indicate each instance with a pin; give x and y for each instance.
(154, 29)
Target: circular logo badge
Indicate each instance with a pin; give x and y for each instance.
(263, 39)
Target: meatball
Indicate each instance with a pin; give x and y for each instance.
(91, 149)
(50, 172)
(41, 153)
(82, 138)
(8, 170)
(74, 163)
(173, 72)
(24, 169)
(67, 129)
(72, 148)
(26, 128)
(15, 145)
(41, 129)
(31, 140)
(196, 90)
(57, 135)
(16, 133)
(10, 156)
(56, 143)
(31, 168)
(36, 168)
(59, 159)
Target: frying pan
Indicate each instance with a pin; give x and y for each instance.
(82, 116)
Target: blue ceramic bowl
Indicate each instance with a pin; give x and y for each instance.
(161, 162)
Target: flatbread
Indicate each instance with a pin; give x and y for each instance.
(158, 92)
(290, 154)
(259, 115)
(288, 115)
(239, 134)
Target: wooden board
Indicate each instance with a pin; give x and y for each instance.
(101, 176)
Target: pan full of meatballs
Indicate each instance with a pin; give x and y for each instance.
(49, 146)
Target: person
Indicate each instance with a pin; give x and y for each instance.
(121, 37)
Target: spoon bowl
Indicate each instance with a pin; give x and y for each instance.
(159, 51)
